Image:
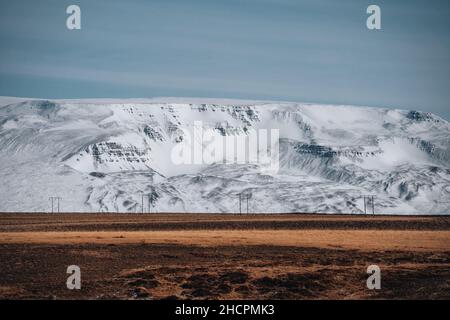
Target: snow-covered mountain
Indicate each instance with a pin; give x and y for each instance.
(111, 155)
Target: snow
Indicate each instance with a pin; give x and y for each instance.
(102, 154)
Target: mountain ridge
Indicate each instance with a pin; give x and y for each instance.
(103, 155)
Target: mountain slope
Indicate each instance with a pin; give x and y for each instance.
(103, 155)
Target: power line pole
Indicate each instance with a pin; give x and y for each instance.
(365, 205)
(53, 203)
(58, 198)
(247, 201)
(51, 198)
(369, 203)
(240, 211)
(373, 205)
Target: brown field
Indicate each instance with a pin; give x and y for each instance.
(187, 256)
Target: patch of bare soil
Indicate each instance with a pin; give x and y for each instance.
(191, 272)
(171, 256)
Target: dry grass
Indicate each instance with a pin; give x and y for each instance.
(345, 239)
(223, 256)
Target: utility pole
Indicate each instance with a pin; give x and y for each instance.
(240, 200)
(365, 205)
(373, 205)
(51, 198)
(240, 211)
(247, 201)
(243, 196)
(369, 201)
(142, 202)
(53, 202)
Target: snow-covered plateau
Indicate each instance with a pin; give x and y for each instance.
(115, 156)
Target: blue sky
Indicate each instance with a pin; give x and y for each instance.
(311, 51)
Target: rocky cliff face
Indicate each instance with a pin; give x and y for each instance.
(106, 156)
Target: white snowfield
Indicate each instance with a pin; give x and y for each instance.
(113, 155)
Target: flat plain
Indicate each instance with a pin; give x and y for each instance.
(223, 256)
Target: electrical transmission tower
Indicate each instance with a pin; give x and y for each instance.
(152, 198)
(240, 203)
(369, 201)
(53, 201)
(149, 199)
(246, 196)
